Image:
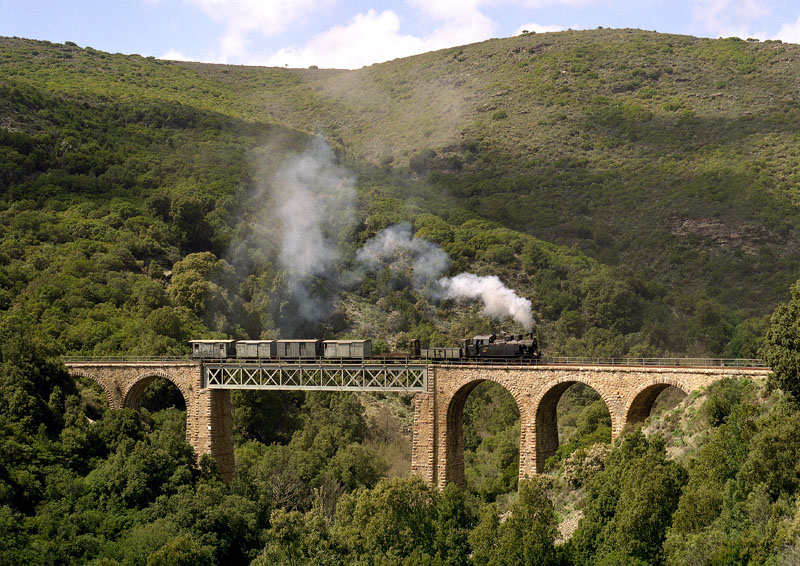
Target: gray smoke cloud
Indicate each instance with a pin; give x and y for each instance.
(397, 248)
(307, 203)
(313, 203)
(498, 300)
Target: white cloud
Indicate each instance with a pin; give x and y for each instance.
(447, 9)
(468, 26)
(462, 21)
(268, 17)
(726, 18)
(789, 32)
(365, 39)
(174, 55)
(372, 37)
(537, 28)
(243, 17)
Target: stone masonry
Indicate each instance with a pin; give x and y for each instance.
(628, 392)
(438, 443)
(209, 424)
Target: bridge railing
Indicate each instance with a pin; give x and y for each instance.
(658, 362)
(101, 359)
(563, 360)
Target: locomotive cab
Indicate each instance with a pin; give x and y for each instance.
(483, 339)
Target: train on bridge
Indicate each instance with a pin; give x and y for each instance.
(485, 346)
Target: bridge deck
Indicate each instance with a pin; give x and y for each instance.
(568, 361)
(320, 376)
(376, 374)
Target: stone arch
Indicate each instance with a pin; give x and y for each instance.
(641, 403)
(454, 433)
(112, 394)
(135, 389)
(546, 421)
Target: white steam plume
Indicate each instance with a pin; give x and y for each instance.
(397, 249)
(498, 300)
(313, 200)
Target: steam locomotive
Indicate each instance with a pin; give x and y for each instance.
(485, 346)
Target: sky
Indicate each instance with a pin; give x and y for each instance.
(356, 33)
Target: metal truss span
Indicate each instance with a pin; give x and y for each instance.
(317, 376)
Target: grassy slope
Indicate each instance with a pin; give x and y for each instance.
(583, 161)
(671, 154)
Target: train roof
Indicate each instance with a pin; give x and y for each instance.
(220, 341)
(304, 340)
(357, 341)
(255, 341)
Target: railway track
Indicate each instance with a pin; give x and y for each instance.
(685, 363)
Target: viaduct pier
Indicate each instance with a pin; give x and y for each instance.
(628, 388)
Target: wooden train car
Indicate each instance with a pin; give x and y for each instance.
(347, 349)
(299, 349)
(486, 346)
(441, 353)
(213, 349)
(260, 349)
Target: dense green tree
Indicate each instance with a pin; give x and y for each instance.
(200, 282)
(773, 457)
(527, 536)
(781, 349)
(15, 543)
(643, 515)
(630, 504)
(228, 524)
(297, 539)
(454, 521)
(124, 181)
(140, 541)
(491, 441)
(610, 303)
(393, 520)
(182, 550)
(735, 508)
(713, 472)
(724, 395)
(483, 538)
(139, 471)
(356, 466)
(266, 416)
(748, 338)
(711, 326)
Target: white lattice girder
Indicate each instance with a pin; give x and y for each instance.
(329, 377)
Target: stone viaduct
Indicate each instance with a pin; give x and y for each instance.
(209, 422)
(438, 442)
(628, 391)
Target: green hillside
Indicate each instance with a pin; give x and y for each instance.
(639, 188)
(662, 152)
